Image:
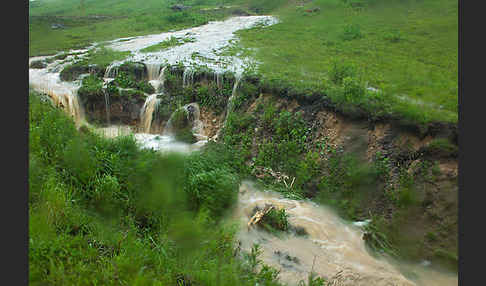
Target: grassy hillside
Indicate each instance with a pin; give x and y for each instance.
(103, 212)
(408, 49)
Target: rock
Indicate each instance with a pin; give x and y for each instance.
(313, 10)
(40, 64)
(57, 26)
(179, 7)
(138, 70)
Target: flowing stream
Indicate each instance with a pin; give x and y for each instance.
(333, 248)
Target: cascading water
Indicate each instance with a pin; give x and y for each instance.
(229, 105)
(153, 70)
(218, 78)
(107, 105)
(62, 93)
(333, 249)
(156, 76)
(112, 70)
(187, 77)
(147, 111)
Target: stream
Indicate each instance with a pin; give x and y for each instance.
(333, 248)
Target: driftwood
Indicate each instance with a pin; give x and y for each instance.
(257, 217)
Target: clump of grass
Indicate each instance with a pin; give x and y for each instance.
(393, 36)
(275, 220)
(377, 240)
(91, 88)
(169, 43)
(442, 147)
(351, 32)
(341, 70)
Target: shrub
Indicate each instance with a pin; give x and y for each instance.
(125, 80)
(91, 88)
(211, 184)
(276, 220)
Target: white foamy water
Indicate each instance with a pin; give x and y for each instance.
(208, 39)
(334, 248)
(165, 143)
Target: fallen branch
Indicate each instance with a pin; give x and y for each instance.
(259, 215)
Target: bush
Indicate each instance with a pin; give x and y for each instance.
(91, 89)
(211, 184)
(276, 220)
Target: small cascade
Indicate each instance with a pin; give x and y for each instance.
(112, 70)
(75, 108)
(229, 106)
(63, 94)
(107, 105)
(153, 71)
(157, 79)
(187, 77)
(218, 78)
(147, 111)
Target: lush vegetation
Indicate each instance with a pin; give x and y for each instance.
(102, 211)
(277, 147)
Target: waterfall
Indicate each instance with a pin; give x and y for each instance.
(112, 70)
(218, 78)
(229, 106)
(75, 109)
(63, 94)
(157, 79)
(153, 71)
(107, 105)
(147, 112)
(187, 77)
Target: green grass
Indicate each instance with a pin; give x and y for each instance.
(408, 48)
(120, 19)
(172, 42)
(104, 212)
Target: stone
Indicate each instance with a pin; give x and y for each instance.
(179, 7)
(57, 26)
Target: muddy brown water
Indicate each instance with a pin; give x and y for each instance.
(333, 249)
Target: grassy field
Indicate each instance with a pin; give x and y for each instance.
(408, 49)
(115, 19)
